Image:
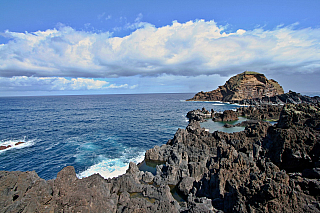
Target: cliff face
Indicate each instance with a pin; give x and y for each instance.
(247, 85)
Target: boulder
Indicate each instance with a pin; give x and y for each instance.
(4, 147)
(20, 142)
(185, 185)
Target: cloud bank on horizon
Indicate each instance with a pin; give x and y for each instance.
(68, 59)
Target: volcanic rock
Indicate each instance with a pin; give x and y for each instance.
(227, 115)
(20, 142)
(294, 143)
(241, 172)
(247, 85)
(4, 147)
(290, 97)
(265, 168)
(261, 112)
(200, 115)
(26, 192)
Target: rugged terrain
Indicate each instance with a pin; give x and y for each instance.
(265, 168)
(290, 97)
(247, 85)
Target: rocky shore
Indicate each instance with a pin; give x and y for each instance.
(290, 97)
(252, 88)
(265, 168)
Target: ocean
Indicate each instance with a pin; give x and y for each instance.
(93, 133)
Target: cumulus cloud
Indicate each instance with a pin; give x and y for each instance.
(186, 49)
(24, 83)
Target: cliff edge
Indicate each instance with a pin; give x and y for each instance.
(246, 85)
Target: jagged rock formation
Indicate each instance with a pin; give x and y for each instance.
(247, 85)
(265, 168)
(290, 97)
(241, 172)
(202, 115)
(261, 112)
(26, 192)
(227, 115)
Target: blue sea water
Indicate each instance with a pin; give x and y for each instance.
(93, 133)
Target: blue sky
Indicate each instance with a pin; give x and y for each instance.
(103, 47)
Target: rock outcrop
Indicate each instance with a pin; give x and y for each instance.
(290, 97)
(265, 168)
(202, 115)
(227, 115)
(247, 85)
(26, 192)
(261, 112)
(262, 169)
(8, 146)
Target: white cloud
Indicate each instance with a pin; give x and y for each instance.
(108, 17)
(100, 16)
(24, 83)
(134, 86)
(185, 49)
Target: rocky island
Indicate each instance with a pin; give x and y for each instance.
(247, 85)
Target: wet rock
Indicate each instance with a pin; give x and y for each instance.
(4, 147)
(227, 115)
(200, 115)
(226, 125)
(20, 142)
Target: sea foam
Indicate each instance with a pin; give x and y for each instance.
(13, 144)
(109, 168)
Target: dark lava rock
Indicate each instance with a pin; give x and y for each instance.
(227, 115)
(262, 112)
(294, 143)
(281, 99)
(20, 142)
(247, 171)
(26, 192)
(313, 173)
(265, 168)
(226, 125)
(4, 147)
(200, 115)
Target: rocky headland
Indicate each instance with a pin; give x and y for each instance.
(265, 168)
(245, 86)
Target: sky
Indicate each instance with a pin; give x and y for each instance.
(145, 46)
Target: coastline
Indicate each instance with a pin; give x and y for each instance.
(211, 171)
